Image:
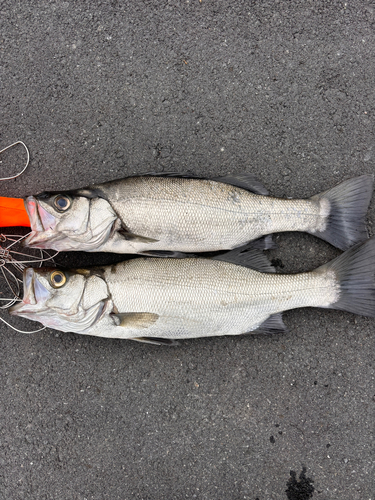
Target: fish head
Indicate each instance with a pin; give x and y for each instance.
(68, 221)
(70, 301)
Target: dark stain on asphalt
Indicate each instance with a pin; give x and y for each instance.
(301, 489)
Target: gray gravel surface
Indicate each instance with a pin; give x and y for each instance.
(104, 89)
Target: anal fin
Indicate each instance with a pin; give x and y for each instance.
(273, 324)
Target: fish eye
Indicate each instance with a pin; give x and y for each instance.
(57, 279)
(62, 202)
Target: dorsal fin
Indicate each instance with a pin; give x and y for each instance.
(243, 180)
(262, 243)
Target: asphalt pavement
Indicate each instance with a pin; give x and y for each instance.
(104, 89)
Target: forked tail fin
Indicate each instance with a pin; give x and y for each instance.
(347, 205)
(355, 272)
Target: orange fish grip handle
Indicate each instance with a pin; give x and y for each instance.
(13, 212)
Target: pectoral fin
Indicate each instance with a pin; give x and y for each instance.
(139, 320)
(137, 238)
(165, 253)
(156, 341)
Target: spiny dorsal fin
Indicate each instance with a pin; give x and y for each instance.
(138, 320)
(243, 180)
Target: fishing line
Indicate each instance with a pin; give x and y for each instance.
(27, 161)
(10, 277)
(11, 256)
(21, 331)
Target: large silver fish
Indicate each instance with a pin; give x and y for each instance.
(158, 300)
(161, 216)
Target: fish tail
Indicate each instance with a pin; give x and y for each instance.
(344, 207)
(355, 274)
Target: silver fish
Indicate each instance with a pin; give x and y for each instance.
(161, 216)
(160, 300)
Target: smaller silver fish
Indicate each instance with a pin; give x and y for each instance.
(161, 216)
(160, 300)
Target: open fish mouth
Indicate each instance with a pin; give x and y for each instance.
(36, 304)
(43, 224)
(34, 295)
